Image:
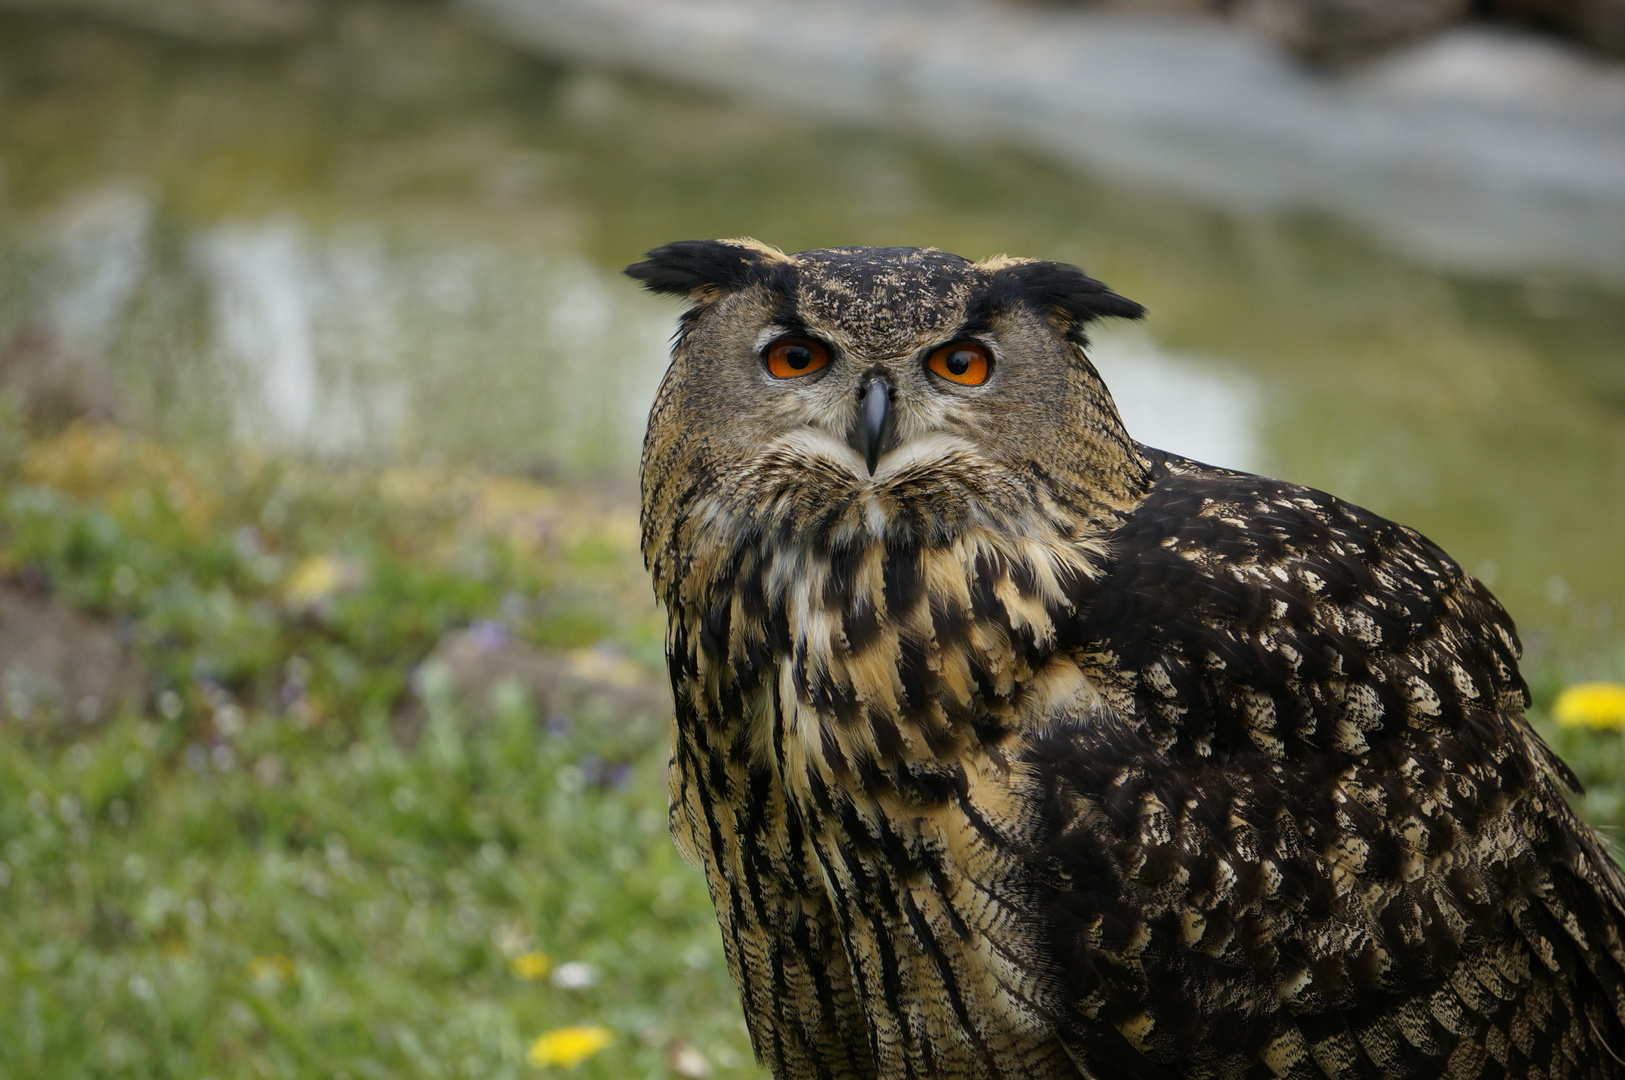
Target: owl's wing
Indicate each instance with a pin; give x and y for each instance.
(1311, 834)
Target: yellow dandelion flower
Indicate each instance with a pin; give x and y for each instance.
(602, 665)
(530, 966)
(1594, 705)
(319, 578)
(568, 1046)
(313, 581)
(270, 969)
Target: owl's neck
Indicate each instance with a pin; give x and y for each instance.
(888, 627)
(700, 523)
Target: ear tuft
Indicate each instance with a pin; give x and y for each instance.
(702, 270)
(1068, 290)
(1059, 291)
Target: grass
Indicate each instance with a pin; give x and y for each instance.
(282, 907)
(250, 874)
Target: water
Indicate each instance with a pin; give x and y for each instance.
(403, 242)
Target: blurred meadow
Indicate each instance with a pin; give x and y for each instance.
(332, 709)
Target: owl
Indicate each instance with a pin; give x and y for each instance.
(1011, 747)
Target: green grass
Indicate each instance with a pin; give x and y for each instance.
(249, 874)
(282, 907)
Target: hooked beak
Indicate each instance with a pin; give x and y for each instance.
(874, 418)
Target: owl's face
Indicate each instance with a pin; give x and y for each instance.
(861, 372)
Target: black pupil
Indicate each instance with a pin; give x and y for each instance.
(959, 361)
(797, 356)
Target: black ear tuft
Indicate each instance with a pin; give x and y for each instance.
(1064, 288)
(703, 269)
(1057, 290)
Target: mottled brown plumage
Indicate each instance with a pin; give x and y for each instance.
(1040, 753)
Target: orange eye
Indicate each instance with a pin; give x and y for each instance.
(793, 357)
(963, 362)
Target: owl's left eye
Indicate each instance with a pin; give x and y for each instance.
(792, 357)
(963, 362)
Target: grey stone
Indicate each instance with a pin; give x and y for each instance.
(59, 666)
(477, 665)
(1523, 175)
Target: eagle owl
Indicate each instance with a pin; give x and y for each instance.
(1011, 747)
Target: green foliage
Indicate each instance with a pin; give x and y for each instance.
(204, 563)
(252, 873)
(267, 905)
(1598, 760)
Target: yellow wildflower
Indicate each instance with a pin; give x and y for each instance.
(317, 579)
(1595, 705)
(97, 461)
(530, 966)
(602, 665)
(270, 969)
(568, 1046)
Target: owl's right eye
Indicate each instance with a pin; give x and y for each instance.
(792, 357)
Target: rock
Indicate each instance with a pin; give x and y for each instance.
(1599, 24)
(1339, 31)
(559, 685)
(58, 666)
(53, 385)
(1474, 182)
(1335, 31)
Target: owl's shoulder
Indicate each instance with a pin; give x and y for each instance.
(1310, 804)
(1235, 608)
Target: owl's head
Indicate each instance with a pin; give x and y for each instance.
(881, 377)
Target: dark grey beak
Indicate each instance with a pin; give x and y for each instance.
(874, 418)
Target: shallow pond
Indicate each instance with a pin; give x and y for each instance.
(403, 241)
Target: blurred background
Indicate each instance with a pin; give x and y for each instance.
(333, 712)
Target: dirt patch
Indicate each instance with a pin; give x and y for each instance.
(59, 666)
(54, 385)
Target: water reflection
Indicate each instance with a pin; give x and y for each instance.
(357, 341)
(1180, 403)
(404, 241)
(264, 291)
(98, 244)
